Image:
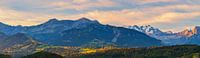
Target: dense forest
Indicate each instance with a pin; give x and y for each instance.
(178, 51)
(43, 54)
(4, 56)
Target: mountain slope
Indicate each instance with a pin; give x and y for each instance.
(118, 35)
(3, 36)
(19, 38)
(18, 45)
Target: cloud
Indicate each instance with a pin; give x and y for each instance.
(80, 4)
(14, 17)
(119, 17)
(128, 17)
(173, 17)
(167, 8)
(152, 1)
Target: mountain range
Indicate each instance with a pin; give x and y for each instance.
(72, 35)
(88, 33)
(79, 32)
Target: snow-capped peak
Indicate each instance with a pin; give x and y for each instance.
(148, 29)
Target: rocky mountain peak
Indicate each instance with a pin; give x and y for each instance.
(196, 30)
(148, 29)
(186, 32)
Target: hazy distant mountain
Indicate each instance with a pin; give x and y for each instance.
(81, 32)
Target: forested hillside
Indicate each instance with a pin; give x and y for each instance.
(182, 51)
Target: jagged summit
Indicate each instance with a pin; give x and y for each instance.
(148, 29)
(190, 32)
(186, 32)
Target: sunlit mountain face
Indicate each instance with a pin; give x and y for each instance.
(99, 28)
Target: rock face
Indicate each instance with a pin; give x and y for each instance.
(80, 32)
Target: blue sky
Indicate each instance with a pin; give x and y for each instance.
(174, 15)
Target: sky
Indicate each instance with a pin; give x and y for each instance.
(168, 15)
